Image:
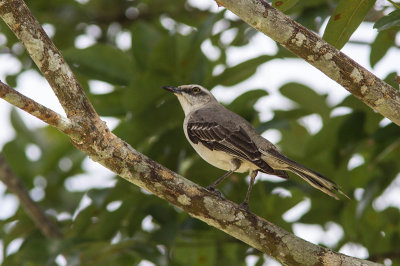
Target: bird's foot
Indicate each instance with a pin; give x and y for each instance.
(215, 191)
(244, 205)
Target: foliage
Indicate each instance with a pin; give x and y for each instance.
(345, 20)
(167, 38)
(390, 21)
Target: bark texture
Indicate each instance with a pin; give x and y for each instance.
(91, 135)
(374, 92)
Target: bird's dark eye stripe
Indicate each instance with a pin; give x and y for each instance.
(192, 90)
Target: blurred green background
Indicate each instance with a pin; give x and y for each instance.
(138, 46)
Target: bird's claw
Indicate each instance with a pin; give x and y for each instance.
(215, 191)
(244, 205)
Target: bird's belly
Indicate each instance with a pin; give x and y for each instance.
(220, 159)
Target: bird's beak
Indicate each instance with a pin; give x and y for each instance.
(172, 89)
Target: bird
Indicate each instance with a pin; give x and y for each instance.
(229, 142)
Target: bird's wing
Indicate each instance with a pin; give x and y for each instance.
(234, 141)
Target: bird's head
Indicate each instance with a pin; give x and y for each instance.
(191, 96)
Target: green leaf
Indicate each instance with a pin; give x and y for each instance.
(23, 226)
(144, 39)
(11, 80)
(202, 255)
(203, 32)
(352, 129)
(122, 253)
(36, 250)
(83, 221)
(243, 36)
(244, 104)
(193, 63)
(101, 62)
(386, 135)
(270, 204)
(167, 233)
(307, 98)
(293, 139)
(161, 213)
(109, 223)
(162, 62)
(283, 5)
(282, 119)
(325, 139)
(372, 119)
(389, 21)
(240, 72)
(383, 41)
(391, 80)
(310, 13)
(345, 20)
(109, 104)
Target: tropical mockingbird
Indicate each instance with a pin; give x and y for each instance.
(227, 141)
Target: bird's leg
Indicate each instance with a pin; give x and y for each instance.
(235, 164)
(219, 180)
(245, 203)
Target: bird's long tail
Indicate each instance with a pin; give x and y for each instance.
(317, 180)
(313, 178)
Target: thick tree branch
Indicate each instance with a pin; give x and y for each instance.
(39, 46)
(15, 185)
(57, 72)
(104, 147)
(304, 43)
(122, 159)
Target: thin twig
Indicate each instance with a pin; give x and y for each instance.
(15, 185)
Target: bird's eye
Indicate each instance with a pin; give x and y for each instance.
(196, 89)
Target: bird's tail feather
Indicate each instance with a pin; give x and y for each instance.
(318, 181)
(313, 178)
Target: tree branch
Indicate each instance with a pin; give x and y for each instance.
(36, 109)
(122, 159)
(15, 185)
(104, 147)
(304, 43)
(62, 80)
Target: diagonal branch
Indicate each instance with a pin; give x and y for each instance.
(15, 185)
(36, 109)
(62, 80)
(304, 43)
(105, 148)
(122, 159)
